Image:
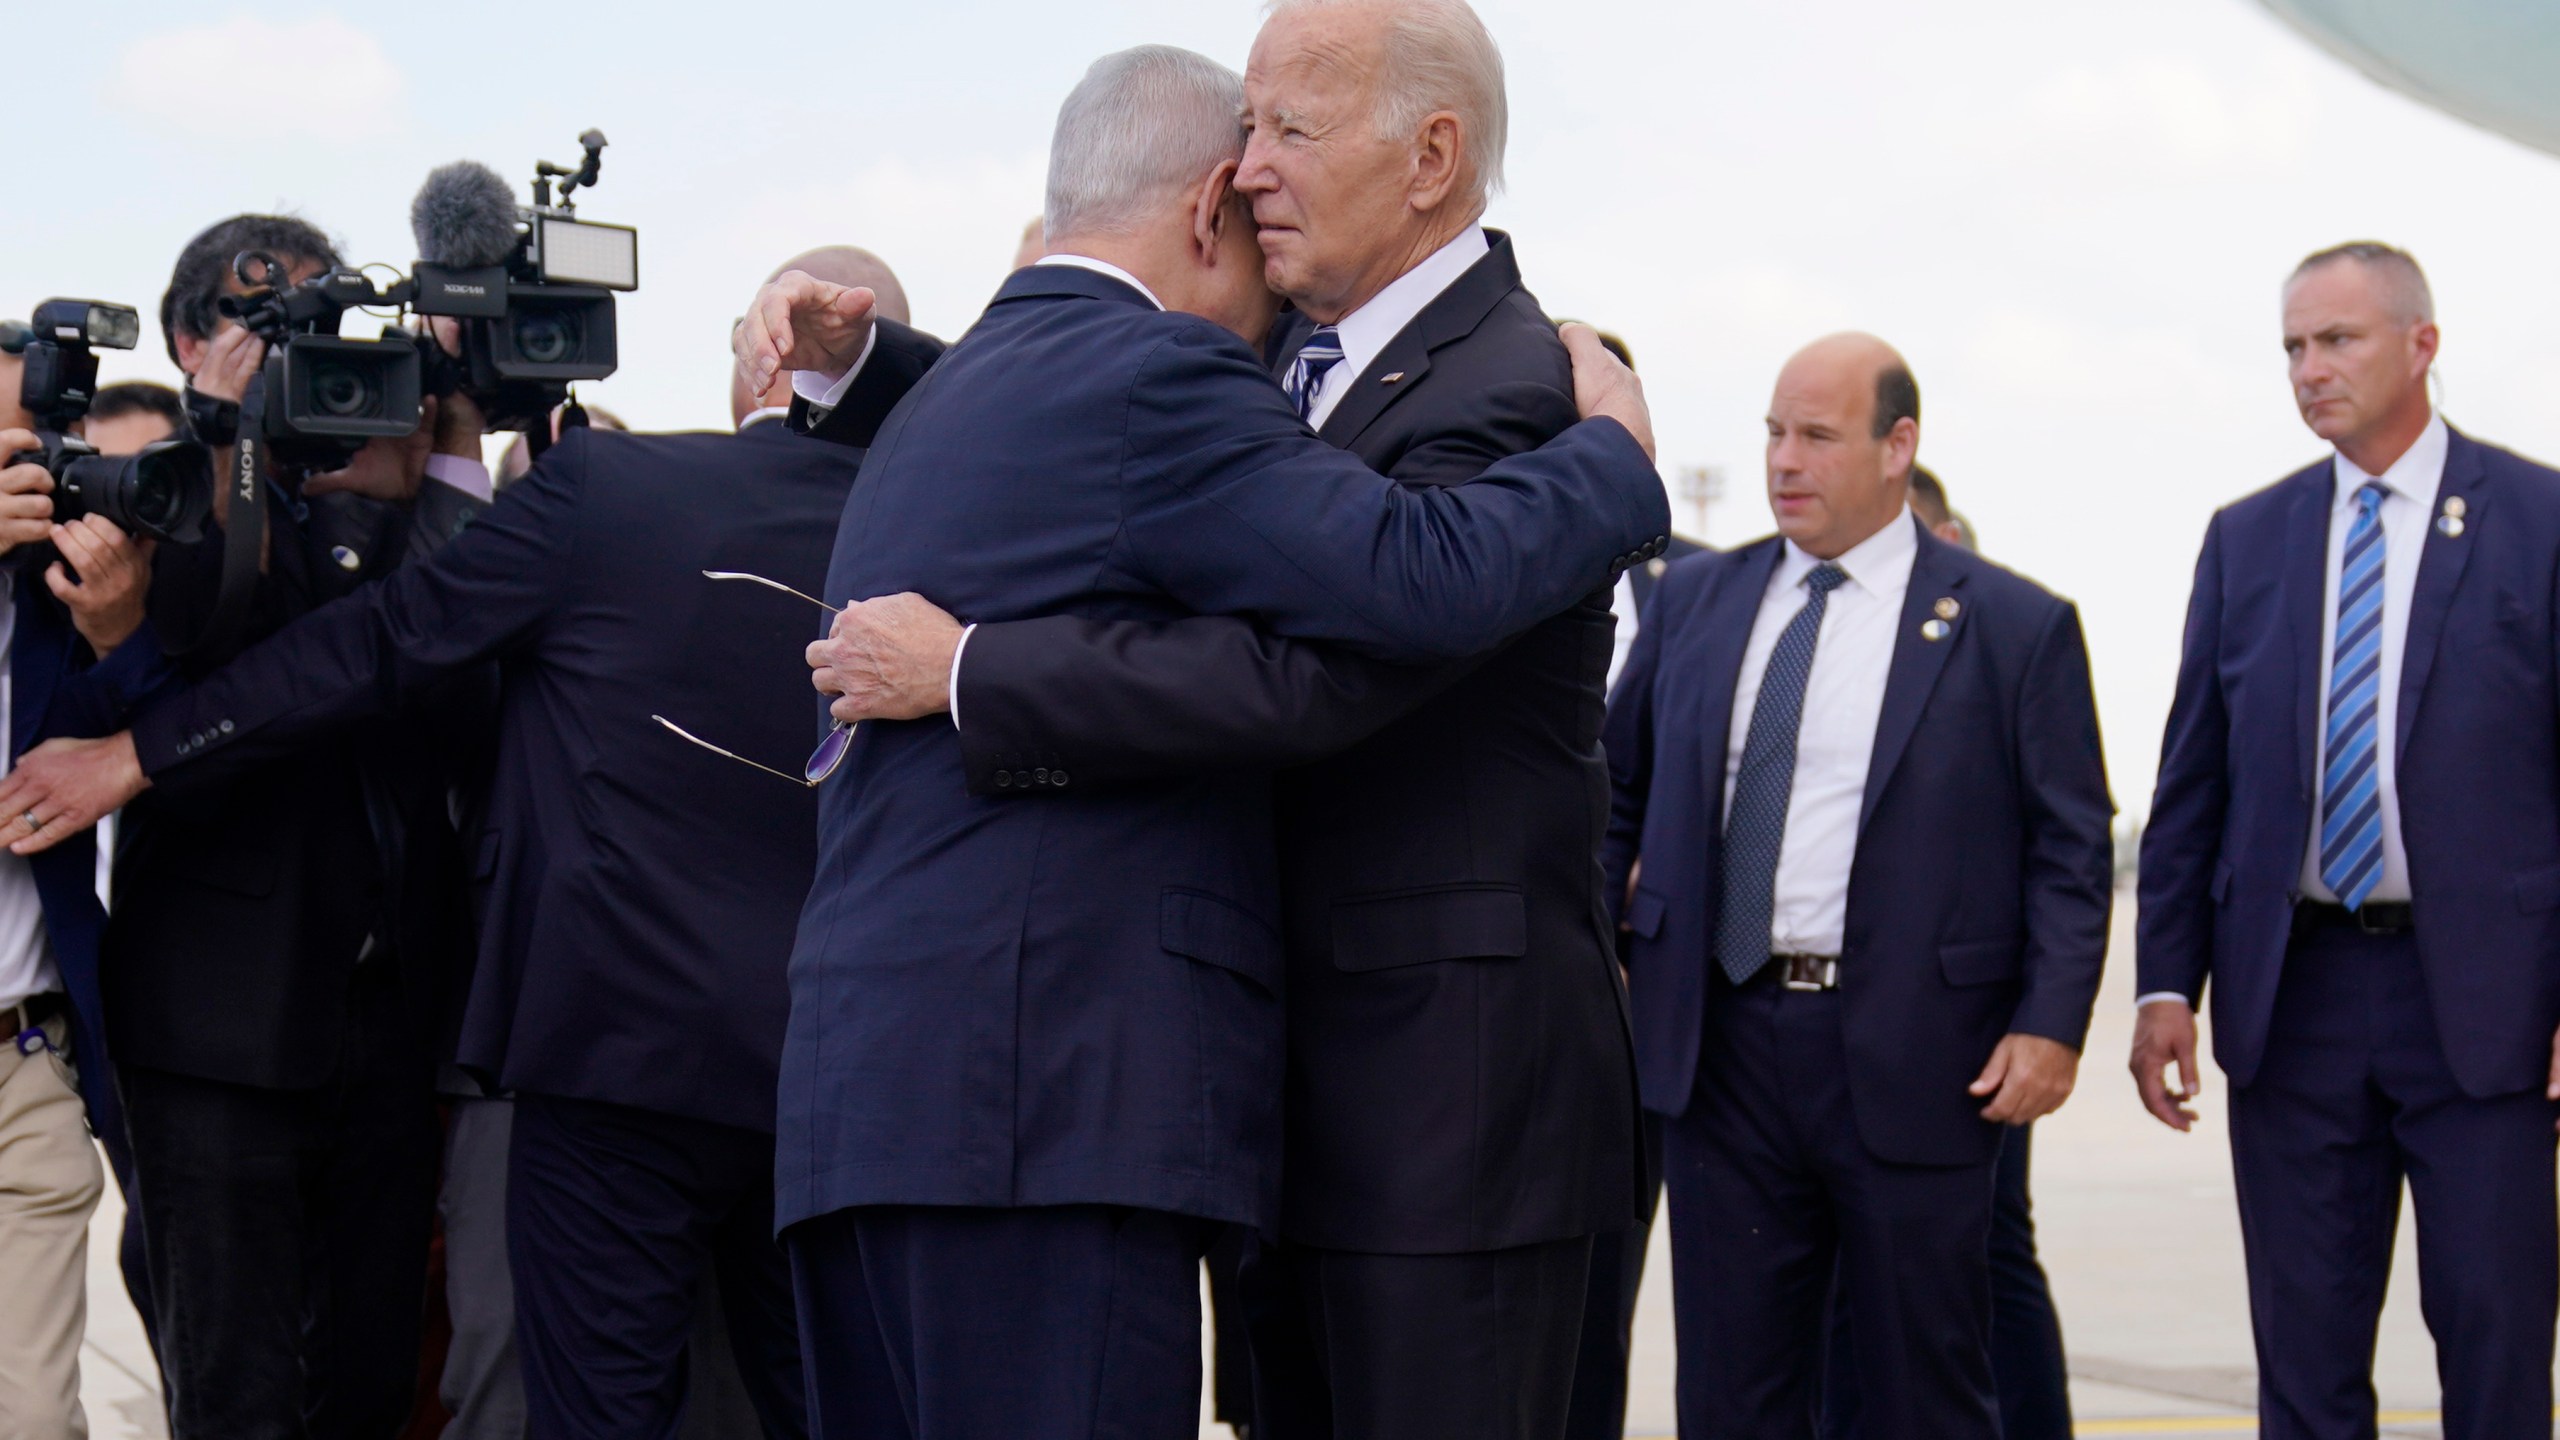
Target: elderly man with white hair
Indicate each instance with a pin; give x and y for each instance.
(1035, 1049)
(1460, 1112)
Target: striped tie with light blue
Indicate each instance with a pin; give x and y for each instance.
(1321, 353)
(2350, 776)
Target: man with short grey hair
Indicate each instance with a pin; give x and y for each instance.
(1459, 1104)
(1036, 1042)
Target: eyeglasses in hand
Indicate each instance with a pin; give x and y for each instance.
(831, 750)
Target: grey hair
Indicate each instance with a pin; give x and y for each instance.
(1143, 123)
(2411, 297)
(1438, 56)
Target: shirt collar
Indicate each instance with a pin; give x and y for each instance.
(2416, 475)
(1104, 267)
(1365, 331)
(1880, 564)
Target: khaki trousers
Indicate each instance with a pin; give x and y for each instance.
(49, 1183)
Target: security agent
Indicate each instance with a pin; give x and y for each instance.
(278, 967)
(2355, 845)
(1870, 919)
(630, 990)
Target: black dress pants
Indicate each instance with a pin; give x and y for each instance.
(613, 1216)
(286, 1233)
(2028, 1368)
(1481, 1345)
(2354, 1096)
(1771, 1191)
(1064, 1322)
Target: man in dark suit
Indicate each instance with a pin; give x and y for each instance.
(1459, 1104)
(2367, 702)
(1003, 1073)
(630, 990)
(1861, 769)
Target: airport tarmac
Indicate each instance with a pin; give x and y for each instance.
(2135, 1222)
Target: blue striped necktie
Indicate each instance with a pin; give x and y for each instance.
(2350, 774)
(1321, 353)
(1755, 826)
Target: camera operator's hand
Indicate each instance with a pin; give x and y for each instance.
(800, 322)
(114, 580)
(231, 360)
(63, 787)
(388, 467)
(26, 494)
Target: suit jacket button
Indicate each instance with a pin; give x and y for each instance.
(224, 727)
(1021, 777)
(1040, 776)
(1003, 779)
(1057, 777)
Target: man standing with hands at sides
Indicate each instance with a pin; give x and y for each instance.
(1459, 1110)
(2367, 703)
(1861, 767)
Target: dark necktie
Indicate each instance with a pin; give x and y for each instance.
(2350, 777)
(1321, 353)
(1756, 825)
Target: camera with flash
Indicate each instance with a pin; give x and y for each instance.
(164, 491)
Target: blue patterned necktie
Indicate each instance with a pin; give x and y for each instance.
(1321, 353)
(2350, 775)
(1756, 823)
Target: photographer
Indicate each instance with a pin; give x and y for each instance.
(72, 598)
(285, 945)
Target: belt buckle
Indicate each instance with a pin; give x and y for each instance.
(1812, 973)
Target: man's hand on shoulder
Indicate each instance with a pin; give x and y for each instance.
(1604, 386)
(63, 787)
(887, 659)
(799, 322)
(2164, 1033)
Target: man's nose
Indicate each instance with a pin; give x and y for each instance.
(1254, 175)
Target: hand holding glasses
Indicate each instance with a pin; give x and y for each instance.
(831, 750)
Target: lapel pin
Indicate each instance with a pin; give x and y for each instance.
(2449, 524)
(1656, 566)
(1934, 630)
(1391, 377)
(2456, 506)
(1947, 607)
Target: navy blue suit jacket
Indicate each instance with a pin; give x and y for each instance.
(55, 690)
(637, 894)
(1979, 894)
(2479, 766)
(1004, 1004)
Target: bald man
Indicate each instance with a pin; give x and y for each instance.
(1861, 769)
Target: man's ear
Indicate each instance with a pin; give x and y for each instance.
(1440, 153)
(1212, 210)
(190, 353)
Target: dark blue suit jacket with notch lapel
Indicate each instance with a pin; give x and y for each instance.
(2478, 753)
(1979, 894)
(1006, 1004)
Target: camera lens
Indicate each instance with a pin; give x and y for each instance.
(545, 337)
(340, 391)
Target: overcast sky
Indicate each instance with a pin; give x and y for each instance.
(2073, 218)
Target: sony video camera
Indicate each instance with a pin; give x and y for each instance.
(162, 493)
(533, 287)
(325, 394)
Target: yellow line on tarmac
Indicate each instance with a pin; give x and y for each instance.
(2197, 1424)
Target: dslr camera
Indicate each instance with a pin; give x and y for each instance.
(163, 493)
(532, 286)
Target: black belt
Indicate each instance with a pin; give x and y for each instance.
(2376, 917)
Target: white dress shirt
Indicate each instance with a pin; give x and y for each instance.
(1836, 739)
(1371, 328)
(26, 959)
(2406, 513)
